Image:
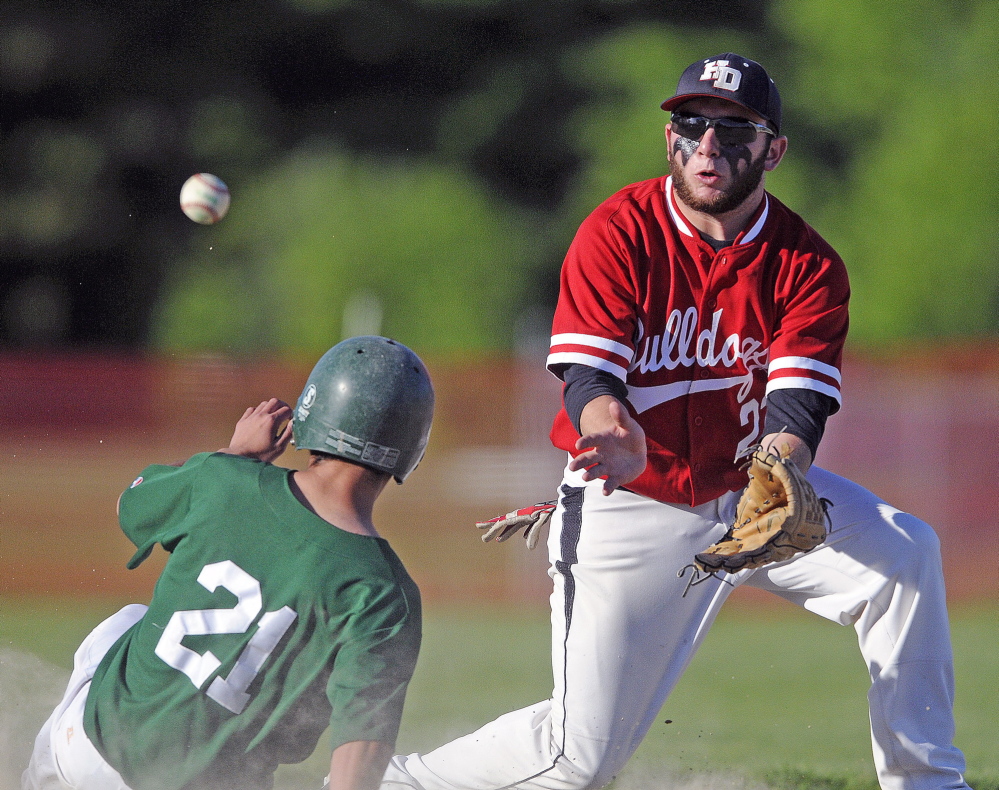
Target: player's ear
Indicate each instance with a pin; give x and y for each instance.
(778, 147)
(668, 134)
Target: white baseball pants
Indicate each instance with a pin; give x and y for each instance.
(64, 757)
(623, 633)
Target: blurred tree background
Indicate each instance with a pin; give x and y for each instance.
(418, 167)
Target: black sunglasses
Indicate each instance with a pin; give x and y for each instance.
(729, 131)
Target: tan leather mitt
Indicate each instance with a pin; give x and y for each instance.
(778, 516)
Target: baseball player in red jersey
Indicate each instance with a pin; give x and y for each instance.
(699, 317)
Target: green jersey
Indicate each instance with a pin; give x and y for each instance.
(266, 626)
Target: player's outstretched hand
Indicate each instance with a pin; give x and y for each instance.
(612, 446)
(263, 432)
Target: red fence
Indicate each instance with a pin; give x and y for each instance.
(921, 430)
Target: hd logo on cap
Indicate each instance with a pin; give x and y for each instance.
(725, 78)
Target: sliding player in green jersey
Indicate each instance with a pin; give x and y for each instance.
(280, 611)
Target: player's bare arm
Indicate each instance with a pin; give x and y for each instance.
(612, 444)
(358, 765)
(263, 432)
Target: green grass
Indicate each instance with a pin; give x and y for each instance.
(795, 714)
(795, 687)
(51, 628)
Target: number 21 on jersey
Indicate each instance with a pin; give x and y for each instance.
(230, 691)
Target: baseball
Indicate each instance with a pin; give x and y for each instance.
(204, 198)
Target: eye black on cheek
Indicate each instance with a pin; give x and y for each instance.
(735, 154)
(685, 148)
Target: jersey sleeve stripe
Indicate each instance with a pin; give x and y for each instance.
(797, 374)
(802, 383)
(805, 363)
(578, 358)
(594, 341)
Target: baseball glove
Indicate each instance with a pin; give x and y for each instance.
(778, 516)
(531, 519)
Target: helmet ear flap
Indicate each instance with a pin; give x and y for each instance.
(368, 400)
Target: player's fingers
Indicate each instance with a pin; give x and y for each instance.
(285, 436)
(600, 462)
(587, 457)
(594, 472)
(282, 412)
(259, 409)
(273, 405)
(581, 461)
(588, 442)
(610, 483)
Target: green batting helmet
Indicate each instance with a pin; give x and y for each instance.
(368, 400)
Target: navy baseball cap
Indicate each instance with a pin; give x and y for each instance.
(730, 77)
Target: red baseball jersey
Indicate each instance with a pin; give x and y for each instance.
(699, 337)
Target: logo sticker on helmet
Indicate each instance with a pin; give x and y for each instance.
(308, 401)
(344, 443)
(376, 454)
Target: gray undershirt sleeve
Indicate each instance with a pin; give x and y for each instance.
(800, 412)
(583, 384)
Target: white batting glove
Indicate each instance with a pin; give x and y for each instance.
(531, 519)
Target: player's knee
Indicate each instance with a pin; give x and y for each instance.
(921, 539)
(590, 771)
(572, 778)
(915, 551)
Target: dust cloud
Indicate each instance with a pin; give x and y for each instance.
(639, 776)
(30, 689)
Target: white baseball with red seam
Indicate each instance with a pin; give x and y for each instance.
(204, 198)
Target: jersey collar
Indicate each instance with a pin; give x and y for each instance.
(743, 238)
